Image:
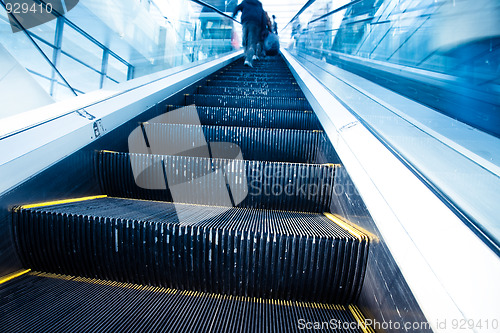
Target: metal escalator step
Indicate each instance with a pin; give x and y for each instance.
(232, 251)
(252, 184)
(263, 75)
(256, 73)
(237, 91)
(267, 144)
(40, 302)
(286, 119)
(265, 69)
(270, 80)
(248, 102)
(242, 84)
(260, 64)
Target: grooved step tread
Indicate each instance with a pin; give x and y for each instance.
(247, 117)
(41, 302)
(265, 144)
(259, 102)
(262, 84)
(248, 78)
(238, 91)
(208, 181)
(258, 253)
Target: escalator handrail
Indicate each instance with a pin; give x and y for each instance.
(204, 4)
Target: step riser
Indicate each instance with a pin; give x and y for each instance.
(271, 80)
(243, 84)
(287, 119)
(272, 66)
(218, 260)
(248, 102)
(262, 76)
(250, 92)
(276, 145)
(260, 70)
(253, 184)
(254, 75)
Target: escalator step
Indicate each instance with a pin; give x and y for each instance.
(207, 90)
(264, 65)
(248, 102)
(267, 144)
(246, 78)
(41, 302)
(286, 119)
(253, 184)
(232, 251)
(253, 75)
(247, 84)
(269, 69)
(263, 75)
(260, 73)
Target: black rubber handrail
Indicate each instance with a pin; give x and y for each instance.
(215, 9)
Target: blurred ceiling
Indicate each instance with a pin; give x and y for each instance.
(284, 10)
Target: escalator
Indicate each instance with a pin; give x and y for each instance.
(215, 220)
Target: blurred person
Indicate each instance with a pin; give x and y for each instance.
(272, 44)
(268, 25)
(252, 20)
(274, 25)
(296, 30)
(265, 30)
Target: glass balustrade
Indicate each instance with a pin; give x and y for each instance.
(89, 45)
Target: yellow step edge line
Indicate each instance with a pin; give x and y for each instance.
(360, 318)
(371, 236)
(59, 202)
(13, 275)
(355, 232)
(332, 165)
(202, 205)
